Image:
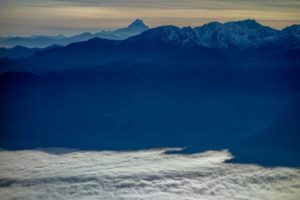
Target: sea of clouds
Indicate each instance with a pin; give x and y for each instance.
(147, 174)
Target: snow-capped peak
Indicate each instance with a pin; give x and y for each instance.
(233, 34)
(238, 34)
(170, 35)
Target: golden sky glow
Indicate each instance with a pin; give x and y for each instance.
(30, 17)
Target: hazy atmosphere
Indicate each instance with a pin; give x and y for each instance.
(150, 99)
(50, 17)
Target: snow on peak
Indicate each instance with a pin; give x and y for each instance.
(238, 34)
(233, 34)
(170, 35)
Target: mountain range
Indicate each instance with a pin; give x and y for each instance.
(245, 34)
(239, 34)
(42, 41)
(245, 43)
(214, 86)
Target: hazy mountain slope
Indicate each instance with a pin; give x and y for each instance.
(117, 108)
(136, 27)
(17, 52)
(21, 52)
(278, 144)
(31, 42)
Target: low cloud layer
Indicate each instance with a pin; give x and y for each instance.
(140, 175)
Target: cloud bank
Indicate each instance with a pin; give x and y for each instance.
(147, 174)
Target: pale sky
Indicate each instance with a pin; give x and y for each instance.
(50, 17)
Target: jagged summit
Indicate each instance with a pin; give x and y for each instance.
(167, 35)
(212, 24)
(245, 22)
(249, 25)
(236, 34)
(135, 28)
(293, 29)
(138, 23)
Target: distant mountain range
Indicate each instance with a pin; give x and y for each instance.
(21, 52)
(239, 34)
(246, 42)
(216, 86)
(231, 35)
(136, 27)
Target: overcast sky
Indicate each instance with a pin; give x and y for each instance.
(33, 17)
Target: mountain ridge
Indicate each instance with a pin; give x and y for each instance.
(237, 34)
(41, 41)
(232, 39)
